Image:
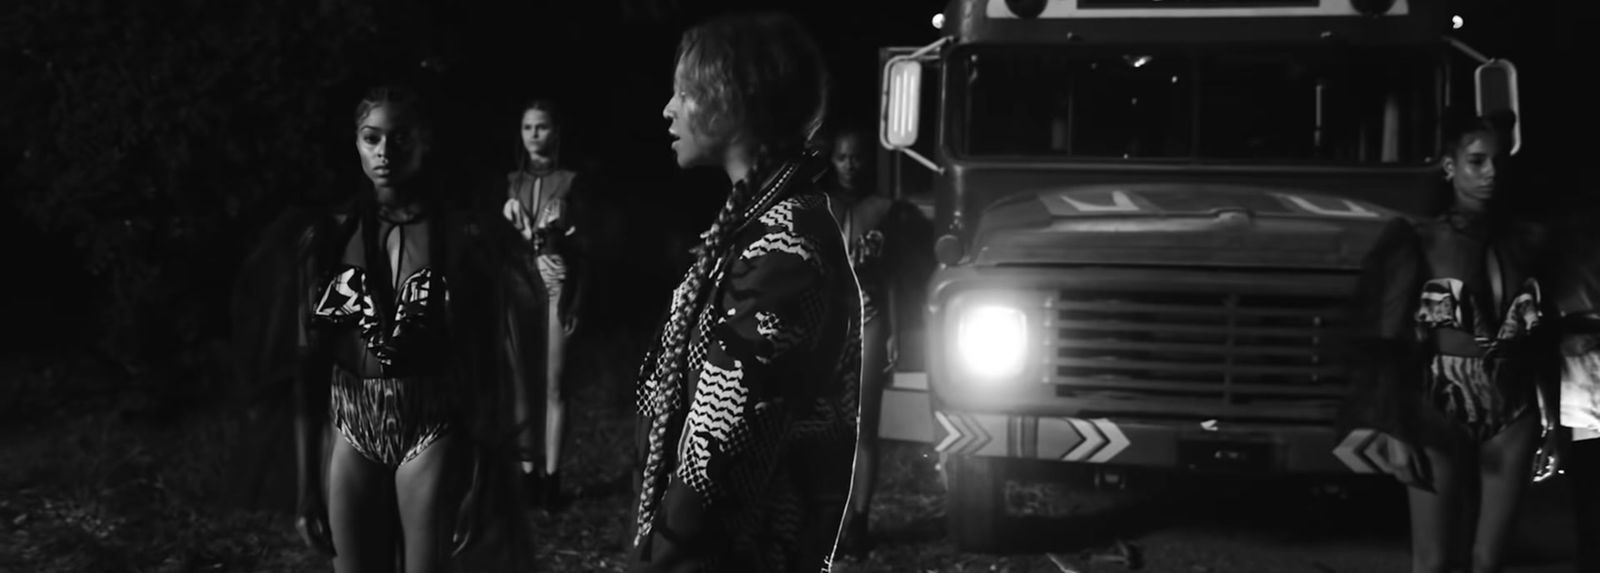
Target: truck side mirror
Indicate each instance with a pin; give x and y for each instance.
(902, 101)
(1496, 86)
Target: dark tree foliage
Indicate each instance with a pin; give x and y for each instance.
(159, 137)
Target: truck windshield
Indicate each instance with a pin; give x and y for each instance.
(1343, 105)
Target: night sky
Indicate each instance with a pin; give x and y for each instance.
(608, 62)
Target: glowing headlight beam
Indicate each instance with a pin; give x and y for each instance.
(992, 341)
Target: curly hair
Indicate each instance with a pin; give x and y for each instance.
(758, 76)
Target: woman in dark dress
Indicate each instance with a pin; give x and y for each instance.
(749, 401)
(867, 220)
(539, 204)
(389, 317)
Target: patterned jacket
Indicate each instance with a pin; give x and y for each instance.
(763, 462)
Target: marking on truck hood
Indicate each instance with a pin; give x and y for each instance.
(1353, 451)
(1349, 208)
(1120, 203)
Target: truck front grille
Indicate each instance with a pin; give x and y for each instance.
(1210, 353)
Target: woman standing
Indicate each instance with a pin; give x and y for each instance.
(1577, 294)
(864, 217)
(1488, 397)
(749, 401)
(389, 317)
(539, 206)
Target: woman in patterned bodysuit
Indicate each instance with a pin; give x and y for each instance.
(1487, 389)
(393, 313)
(538, 204)
(748, 403)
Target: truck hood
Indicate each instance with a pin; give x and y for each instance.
(1173, 224)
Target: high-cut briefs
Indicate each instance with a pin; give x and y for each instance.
(391, 420)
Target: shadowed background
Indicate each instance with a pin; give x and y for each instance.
(145, 145)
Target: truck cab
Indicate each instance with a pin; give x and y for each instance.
(1151, 218)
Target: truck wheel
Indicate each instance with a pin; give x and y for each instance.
(974, 509)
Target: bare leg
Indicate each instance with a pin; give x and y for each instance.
(360, 512)
(1434, 515)
(428, 489)
(1505, 462)
(874, 358)
(555, 404)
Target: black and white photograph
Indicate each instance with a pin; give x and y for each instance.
(783, 286)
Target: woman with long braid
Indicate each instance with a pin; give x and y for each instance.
(749, 401)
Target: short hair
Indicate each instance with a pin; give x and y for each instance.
(850, 130)
(1461, 130)
(759, 75)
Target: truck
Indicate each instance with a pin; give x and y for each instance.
(1150, 219)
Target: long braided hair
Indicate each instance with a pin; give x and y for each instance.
(760, 80)
(758, 77)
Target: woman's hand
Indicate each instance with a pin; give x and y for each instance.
(1547, 461)
(1405, 463)
(891, 353)
(469, 517)
(518, 217)
(312, 523)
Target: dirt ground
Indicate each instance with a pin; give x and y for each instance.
(89, 489)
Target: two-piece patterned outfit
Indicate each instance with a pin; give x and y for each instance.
(1479, 302)
(389, 397)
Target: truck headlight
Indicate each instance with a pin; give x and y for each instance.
(992, 341)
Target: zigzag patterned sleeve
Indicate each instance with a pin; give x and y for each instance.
(744, 398)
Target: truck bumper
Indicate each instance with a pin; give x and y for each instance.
(908, 415)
